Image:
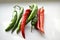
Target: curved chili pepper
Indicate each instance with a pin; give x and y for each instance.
(34, 8)
(13, 21)
(34, 19)
(23, 22)
(18, 20)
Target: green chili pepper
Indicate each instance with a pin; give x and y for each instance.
(34, 19)
(34, 9)
(13, 21)
(17, 22)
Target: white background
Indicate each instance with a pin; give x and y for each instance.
(51, 22)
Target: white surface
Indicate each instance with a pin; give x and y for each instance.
(51, 26)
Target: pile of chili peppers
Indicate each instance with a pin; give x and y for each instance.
(21, 18)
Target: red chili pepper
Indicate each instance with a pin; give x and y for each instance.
(23, 22)
(42, 20)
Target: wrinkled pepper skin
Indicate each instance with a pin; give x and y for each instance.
(13, 21)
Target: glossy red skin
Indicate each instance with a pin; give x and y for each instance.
(42, 20)
(23, 22)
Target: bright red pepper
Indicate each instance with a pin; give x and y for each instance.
(42, 20)
(23, 22)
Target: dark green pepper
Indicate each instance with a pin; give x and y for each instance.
(13, 21)
(18, 20)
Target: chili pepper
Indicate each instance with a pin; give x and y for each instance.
(13, 21)
(34, 8)
(23, 22)
(33, 22)
(42, 20)
(34, 19)
(19, 17)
